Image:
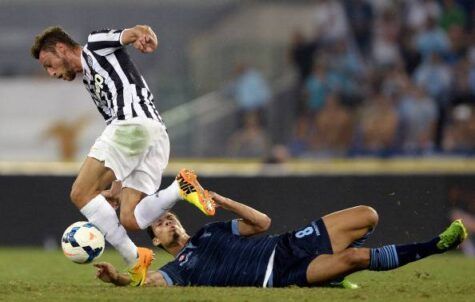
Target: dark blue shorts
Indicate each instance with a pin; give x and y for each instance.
(294, 252)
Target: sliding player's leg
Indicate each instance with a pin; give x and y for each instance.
(393, 256)
(326, 268)
(92, 179)
(350, 226)
(329, 267)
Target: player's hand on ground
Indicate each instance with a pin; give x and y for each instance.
(106, 272)
(147, 40)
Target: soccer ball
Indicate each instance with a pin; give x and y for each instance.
(82, 242)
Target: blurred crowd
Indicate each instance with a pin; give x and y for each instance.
(386, 78)
(378, 78)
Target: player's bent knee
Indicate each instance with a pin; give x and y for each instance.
(81, 196)
(370, 215)
(373, 216)
(77, 196)
(357, 258)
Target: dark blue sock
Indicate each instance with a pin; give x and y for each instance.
(413, 252)
(391, 256)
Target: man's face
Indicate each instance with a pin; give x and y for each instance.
(56, 64)
(168, 229)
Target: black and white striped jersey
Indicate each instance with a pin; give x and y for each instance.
(117, 88)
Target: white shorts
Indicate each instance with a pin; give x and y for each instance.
(136, 150)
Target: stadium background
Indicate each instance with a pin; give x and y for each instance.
(234, 83)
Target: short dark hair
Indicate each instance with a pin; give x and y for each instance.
(48, 38)
(151, 234)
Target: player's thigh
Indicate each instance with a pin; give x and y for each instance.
(325, 268)
(348, 225)
(93, 177)
(129, 198)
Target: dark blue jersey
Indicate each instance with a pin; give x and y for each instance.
(217, 256)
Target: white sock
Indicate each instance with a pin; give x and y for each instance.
(153, 206)
(100, 213)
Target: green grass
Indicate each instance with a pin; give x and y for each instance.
(37, 275)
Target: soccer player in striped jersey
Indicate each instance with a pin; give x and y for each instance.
(327, 249)
(134, 147)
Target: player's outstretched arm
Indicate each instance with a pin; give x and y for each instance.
(109, 274)
(156, 279)
(252, 222)
(141, 37)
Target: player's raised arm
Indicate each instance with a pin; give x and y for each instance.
(141, 37)
(252, 221)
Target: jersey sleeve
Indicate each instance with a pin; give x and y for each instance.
(172, 274)
(104, 42)
(229, 226)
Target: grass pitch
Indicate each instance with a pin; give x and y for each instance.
(38, 275)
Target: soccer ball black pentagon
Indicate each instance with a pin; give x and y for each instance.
(82, 242)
